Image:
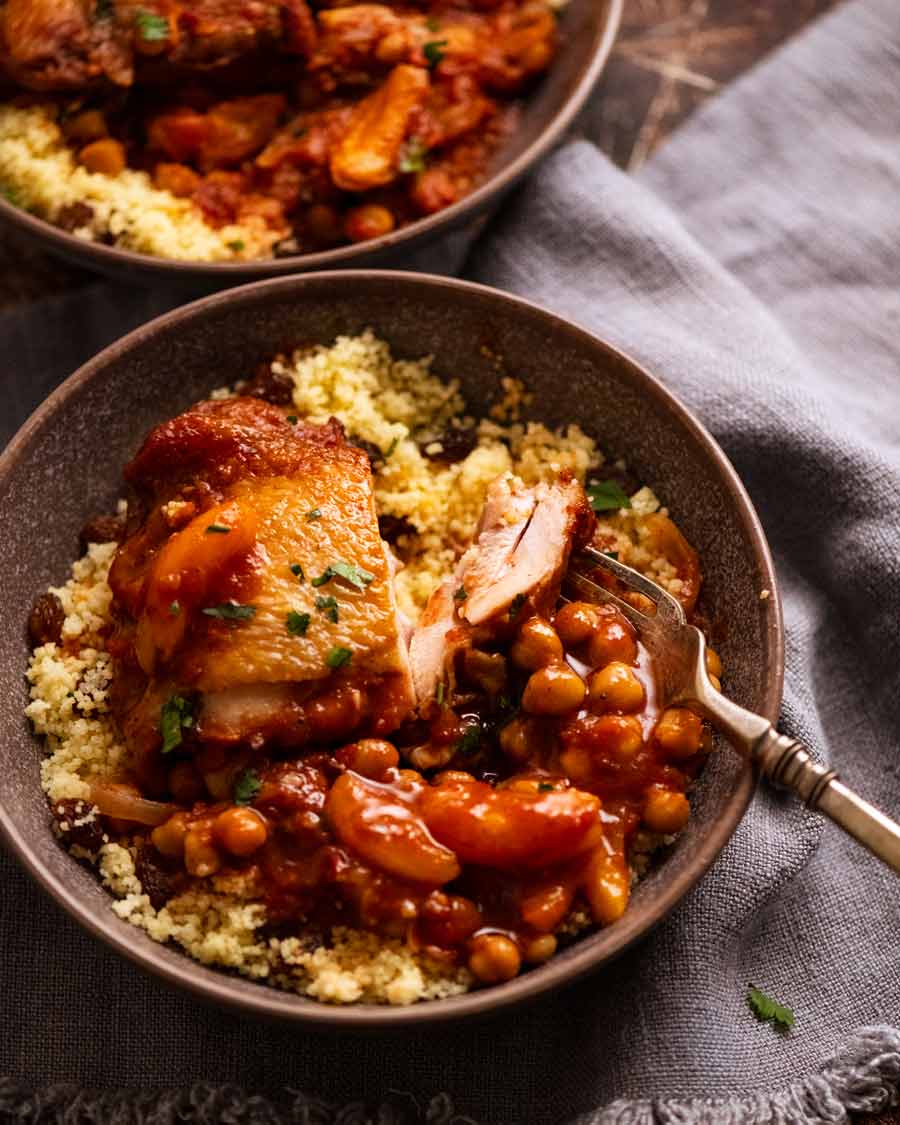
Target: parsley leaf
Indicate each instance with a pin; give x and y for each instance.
(230, 611)
(356, 576)
(292, 419)
(152, 28)
(236, 246)
(297, 623)
(174, 608)
(390, 449)
(612, 555)
(297, 570)
(218, 529)
(176, 716)
(328, 606)
(515, 606)
(460, 595)
(768, 1010)
(470, 741)
(246, 787)
(313, 514)
(439, 694)
(546, 787)
(338, 657)
(433, 51)
(412, 159)
(607, 496)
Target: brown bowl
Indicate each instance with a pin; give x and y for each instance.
(65, 465)
(588, 29)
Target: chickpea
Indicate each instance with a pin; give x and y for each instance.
(201, 857)
(640, 602)
(553, 690)
(716, 683)
(517, 739)
(713, 663)
(536, 646)
(371, 757)
(185, 783)
(89, 125)
(168, 837)
(371, 220)
(105, 156)
(575, 623)
(679, 732)
(618, 736)
(666, 810)
(615, 688)
(324, 224)
(335, 714)
(240, 831)
(540, 949)
(607, 885)
(613, 639)
(494, 958)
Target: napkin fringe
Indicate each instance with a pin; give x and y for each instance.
(862, 1077)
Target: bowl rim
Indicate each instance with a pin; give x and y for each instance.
(115, 259)
(216, 985)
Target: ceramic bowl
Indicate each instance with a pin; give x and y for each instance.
(588, 29)
(65, 465)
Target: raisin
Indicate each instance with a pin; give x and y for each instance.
(45, 621)
(271, 386)
(390, 528)
(456, 443)
(102, 529)
(74, 215)
(159, 879)
(371, 450)
(66, 815)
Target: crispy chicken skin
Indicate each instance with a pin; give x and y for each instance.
(522, 546)
(238, 512)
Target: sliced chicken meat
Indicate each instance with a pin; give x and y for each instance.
(255, 584)
(521, 549)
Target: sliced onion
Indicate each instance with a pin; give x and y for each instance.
(120, 802)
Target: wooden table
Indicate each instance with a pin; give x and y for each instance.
(670, 57)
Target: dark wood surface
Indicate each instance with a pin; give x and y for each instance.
(670, 57)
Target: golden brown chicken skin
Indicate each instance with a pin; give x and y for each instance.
(254, 586)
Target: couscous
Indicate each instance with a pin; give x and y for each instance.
(357, 782)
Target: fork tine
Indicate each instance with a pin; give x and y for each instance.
(667, 608)
(583, 589)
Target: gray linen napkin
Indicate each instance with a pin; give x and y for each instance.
(764, 291)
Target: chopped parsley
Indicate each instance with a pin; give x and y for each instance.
(297, 623)
(328, 606)
(152, 28)
(390, 449)
(313, 514)
(354, 575)
(217, 529)
(338, 657)
(612, 555)
(460, 595)
(515, 606)
(607, 496)
(470, 741)
(176, 716)
(293, 419)
(297, 570)
(433, 51)
(412, 159)
(546, 787)
(246, 787)
(174, 608)
(230, 611)
(768, 1010)
(236, 246)
(439, 695)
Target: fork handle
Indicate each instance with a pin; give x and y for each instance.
(790, 765)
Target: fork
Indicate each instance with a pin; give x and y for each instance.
(679, 654)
